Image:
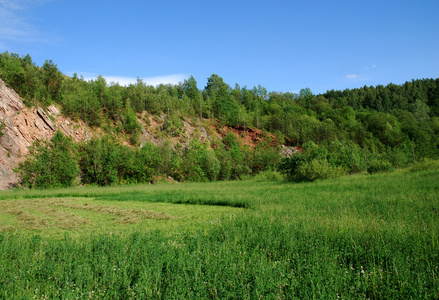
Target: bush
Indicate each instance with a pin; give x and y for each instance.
(99, 161)
(348, 155)
(318, 169)
(424, 165)
(229, 140)
(50, 164)
(226, 163)
(269, 176)
(173, 125)
(378, 165)
(265, 157)
(403, 155)
(310, 165)
(199, 163)
(289, 165)
(2, 126)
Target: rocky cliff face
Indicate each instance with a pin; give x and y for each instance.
(23, 126)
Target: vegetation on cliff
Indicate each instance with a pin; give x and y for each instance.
(341, 132)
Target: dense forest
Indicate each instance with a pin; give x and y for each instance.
(339, 132)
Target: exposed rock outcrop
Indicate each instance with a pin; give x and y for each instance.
(42, 114)
(288, 150)
(152, 132)
(23, 126)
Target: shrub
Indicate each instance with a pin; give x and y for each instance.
(173, 125)
(131, 125)
(300, 166)
(199, 163)
(348, 155)
(230, 139)
(289, 165)
(99, 161)
(403, 155)
(378, 165)
(226, 163)
(51, 163)
(424, 165)
(269, 176)
(318, 169)
(265, 157)
(2, 126)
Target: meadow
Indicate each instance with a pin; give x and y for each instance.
(355, 237)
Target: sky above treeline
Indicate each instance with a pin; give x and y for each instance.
(282, 45)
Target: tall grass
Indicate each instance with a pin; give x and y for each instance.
(356, 237)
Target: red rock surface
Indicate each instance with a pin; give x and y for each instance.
(25, 125)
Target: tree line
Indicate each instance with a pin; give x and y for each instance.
(355, 130)
(104, 161)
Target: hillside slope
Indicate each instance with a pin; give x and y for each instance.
(23, 125)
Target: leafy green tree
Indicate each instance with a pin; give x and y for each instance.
(113, 102)
(421, 110)
(193, 94)
(53, 81)
(138, 165)
(306, 97)
(51, 163)
(131, 125)
(99, 161)
(192, 162)
(265, 157)
(239, 162)
(170, 161)
(80, 102)
(385, 127)
(224, 105)
(190, 88)
(311, 164)
(348, 155)
(12, 72)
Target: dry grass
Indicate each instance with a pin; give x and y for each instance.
(25, 218)
(83, 215)
(37, 214)
(125, 215)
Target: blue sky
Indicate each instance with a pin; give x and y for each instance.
(282, 45)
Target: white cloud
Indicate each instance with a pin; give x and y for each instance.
(172, 79)
(154, 81)
(374, 65)
(14, 22)
(13, 4)
(357, 77)
(121, 80)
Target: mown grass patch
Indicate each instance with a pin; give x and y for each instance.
(57, 215)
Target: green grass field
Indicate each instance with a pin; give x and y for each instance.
(355, 237)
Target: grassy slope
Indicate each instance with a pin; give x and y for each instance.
(354, 237)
